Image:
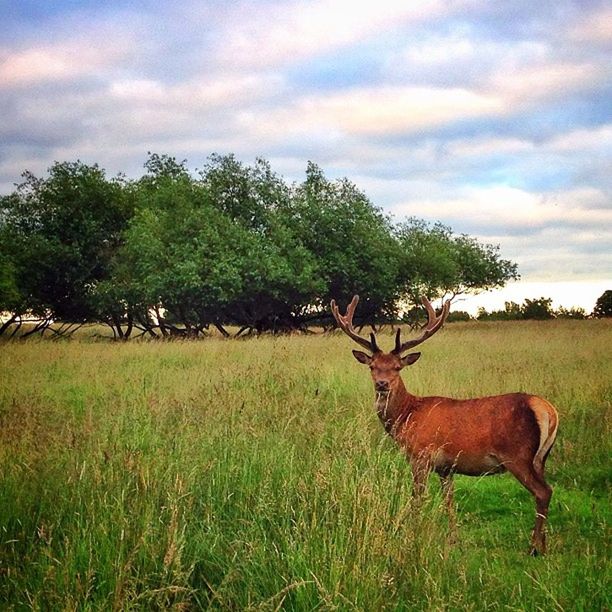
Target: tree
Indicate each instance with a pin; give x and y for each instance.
(183, 261)
(512, 311)
(459, 315)
(173, 253)
(280, 276)
(248, 195)
(174, 260)
(435, 262)
(59, 234)
(212, 251)
(11, 300)
(539, 309)
(603, 306)
(575, 312)
(351, 242)
(9, 293)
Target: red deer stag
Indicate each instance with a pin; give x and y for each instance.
(487, 435)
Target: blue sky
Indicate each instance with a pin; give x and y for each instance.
(493, 117)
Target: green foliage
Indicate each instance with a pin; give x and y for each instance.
(575, 312)
(537, 309)
(279, 273)
(215, 250)
(247, 195)
(181, 256)
(351, 241)
(172, 253)
(459, 315)
(603, 306)
(434, 261)
(59, 235)
(10, 298)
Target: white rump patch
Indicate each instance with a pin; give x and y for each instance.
(543, 411)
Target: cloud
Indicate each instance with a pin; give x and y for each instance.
(509, 207)
(547, 80)
(558, 253)
(275, 34)
(72, 47)
(59, 62)
(591, 139)
(198, 93)
(461, 56)
(488, 146)
(382, 110)
(594, 27)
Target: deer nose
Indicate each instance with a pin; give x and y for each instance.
(381, 385)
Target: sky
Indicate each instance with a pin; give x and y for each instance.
(494, 118)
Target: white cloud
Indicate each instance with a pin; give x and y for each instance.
(138, 90)
(558, 254)
(439, 50)
(599, 137)
(62, 61)
(528, 84)
(488, 146)
(513, 208)
(461, 52)
(278, 33)
(198, 93)
(370, 111)
(595, 26)
(518, 73)
(583, 198)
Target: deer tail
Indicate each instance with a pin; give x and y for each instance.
(548, 422)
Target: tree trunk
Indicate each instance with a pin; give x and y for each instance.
(222, 329)
(8, 323)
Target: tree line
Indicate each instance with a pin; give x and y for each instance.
(233, 246)
(542, 309)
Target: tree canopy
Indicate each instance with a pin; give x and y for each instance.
(234, 245)
(537, 308)
(434, 261)
(603, 305)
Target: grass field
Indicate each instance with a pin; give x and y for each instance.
(254, 475)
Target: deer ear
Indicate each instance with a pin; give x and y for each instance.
(362, 357)
(410, 358)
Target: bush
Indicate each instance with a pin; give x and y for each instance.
(459, 315)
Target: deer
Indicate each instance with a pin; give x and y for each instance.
(512, 433)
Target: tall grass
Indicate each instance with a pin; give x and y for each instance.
(254, 475)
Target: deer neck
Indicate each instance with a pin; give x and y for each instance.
(394, 407)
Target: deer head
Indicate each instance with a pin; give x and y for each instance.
(385, 367)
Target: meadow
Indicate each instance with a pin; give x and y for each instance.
(254, 475)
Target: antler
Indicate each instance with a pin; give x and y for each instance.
(345, 322)
(434, 323)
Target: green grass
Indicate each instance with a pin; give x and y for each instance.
(254, 475)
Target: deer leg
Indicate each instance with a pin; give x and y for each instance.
(541, 490)
(448, 489)
(542, 502)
